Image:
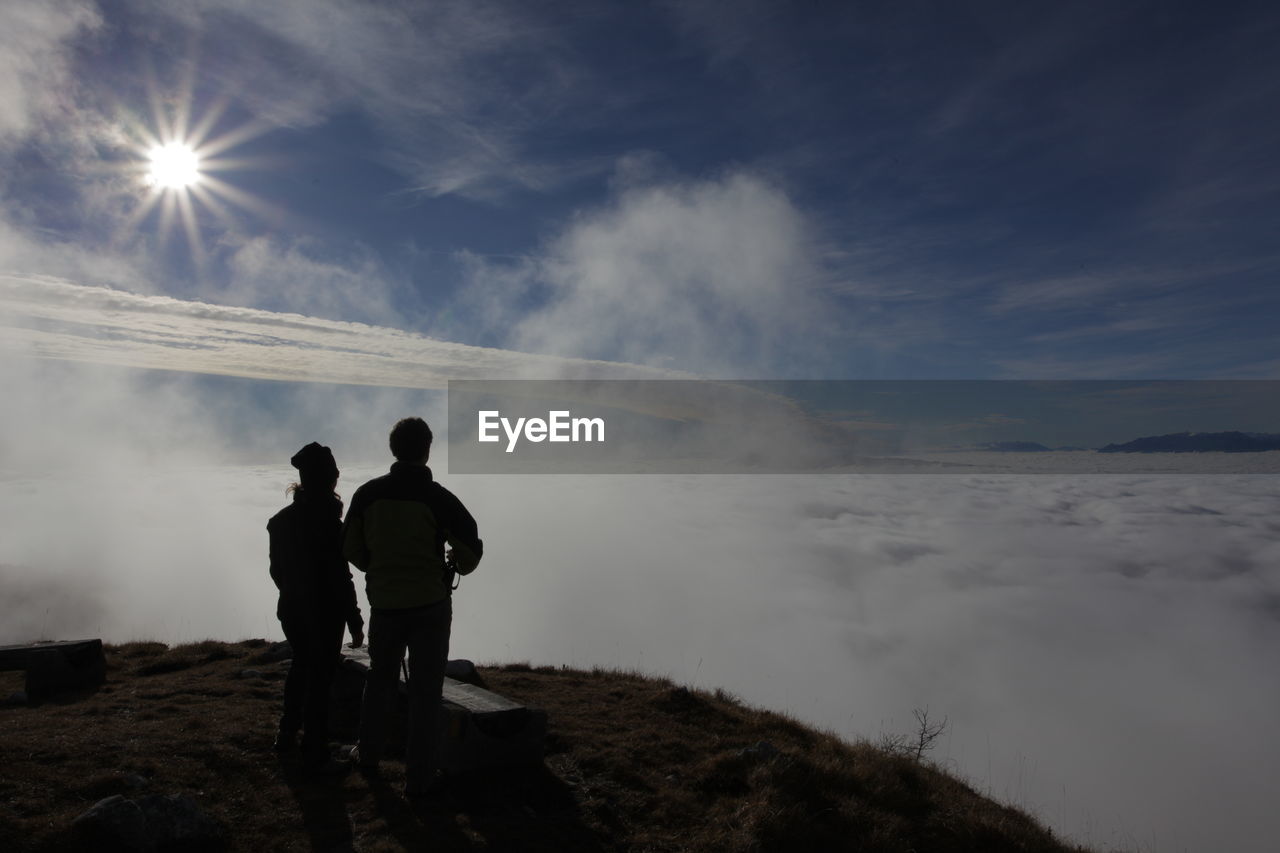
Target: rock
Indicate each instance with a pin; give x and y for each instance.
(151, 823)
(462, 670)
(175, 820)
(114, 824)
(478, 729)
(136, 781)
(345, 697)
(275, 652)
(250, 673)
(760, 751)
(54, 667)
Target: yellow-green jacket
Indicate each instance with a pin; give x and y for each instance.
(396, 532)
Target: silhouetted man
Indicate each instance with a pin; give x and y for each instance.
(396, 532)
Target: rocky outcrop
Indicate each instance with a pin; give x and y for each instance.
(149, 824)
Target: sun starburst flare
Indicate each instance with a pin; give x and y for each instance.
(173, 166)
(173, 161)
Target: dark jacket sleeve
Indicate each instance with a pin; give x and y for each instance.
(279, 552)
(344, 587)
(354, 547)
(459, 530)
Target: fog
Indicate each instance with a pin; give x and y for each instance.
(1101, 645)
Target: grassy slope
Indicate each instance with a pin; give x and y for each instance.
(633, 764)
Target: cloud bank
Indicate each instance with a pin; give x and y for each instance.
(716, 276)
(1098, 643)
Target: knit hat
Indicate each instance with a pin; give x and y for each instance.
(315, 458)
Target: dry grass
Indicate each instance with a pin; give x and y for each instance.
(633, 764)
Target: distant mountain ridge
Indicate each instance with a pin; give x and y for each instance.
(1014, 447)
(1233, 441)
(1022, 447)
(1199, 442)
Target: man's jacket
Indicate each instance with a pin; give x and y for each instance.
(396, 532)
(306, 561)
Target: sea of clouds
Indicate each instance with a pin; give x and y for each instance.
(1101, 646)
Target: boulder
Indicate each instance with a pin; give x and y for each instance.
(274, 653)
(759, 752)
(478, 729)
(176, 821)
(463, 670)
(149, 824)
(114, 824)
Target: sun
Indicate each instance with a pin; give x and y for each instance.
(174, 166)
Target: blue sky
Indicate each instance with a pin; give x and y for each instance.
(754, 189)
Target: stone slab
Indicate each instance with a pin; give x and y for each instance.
(56, 666)
(479, 729)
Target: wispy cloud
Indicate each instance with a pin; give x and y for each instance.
(452, 85)
(52, 318)
(35, 67)
(294, 276)
(1111, 329)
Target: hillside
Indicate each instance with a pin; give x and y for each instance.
(633, 763)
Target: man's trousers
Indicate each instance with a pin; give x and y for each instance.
(424, 633)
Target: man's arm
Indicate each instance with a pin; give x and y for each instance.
(460, 532)
(354, 547)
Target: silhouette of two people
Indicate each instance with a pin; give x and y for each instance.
(410, 536)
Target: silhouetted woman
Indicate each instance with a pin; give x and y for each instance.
(317, 598)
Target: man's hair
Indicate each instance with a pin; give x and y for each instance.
(410, 440)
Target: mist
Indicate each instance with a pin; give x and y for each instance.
(1098, 643)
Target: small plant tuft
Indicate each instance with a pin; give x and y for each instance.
(916, 744)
